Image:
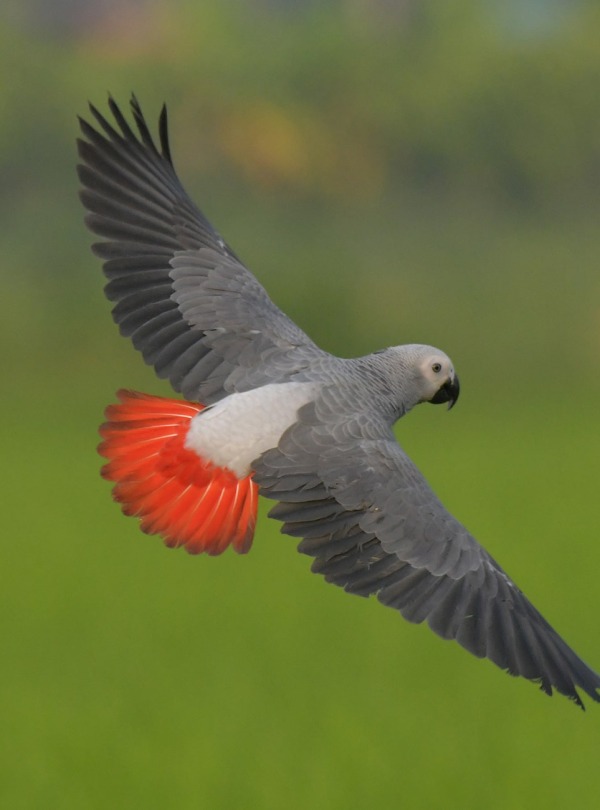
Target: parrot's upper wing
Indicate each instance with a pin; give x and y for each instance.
(188, 304)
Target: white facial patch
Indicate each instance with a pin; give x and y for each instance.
(240, 427)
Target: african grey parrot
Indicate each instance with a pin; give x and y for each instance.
(281, 417)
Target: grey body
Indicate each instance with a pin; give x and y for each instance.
(344, 485)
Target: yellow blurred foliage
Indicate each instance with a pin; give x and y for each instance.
(273, 146)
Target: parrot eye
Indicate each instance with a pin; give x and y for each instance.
(436, 368)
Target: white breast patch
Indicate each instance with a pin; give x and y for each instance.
(240, 427)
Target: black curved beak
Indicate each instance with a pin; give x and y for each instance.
(447, 393)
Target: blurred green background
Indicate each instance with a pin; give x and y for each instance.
(393, 172)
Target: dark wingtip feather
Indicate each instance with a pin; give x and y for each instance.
(126, 132)
(163, 132)
(142, 126)
(102, 122)
(120, 118)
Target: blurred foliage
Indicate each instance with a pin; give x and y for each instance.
(344, 98)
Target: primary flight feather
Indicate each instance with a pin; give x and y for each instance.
(269, 411)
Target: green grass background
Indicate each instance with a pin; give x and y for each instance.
(138, 677)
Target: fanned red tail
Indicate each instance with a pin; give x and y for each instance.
(188, 501)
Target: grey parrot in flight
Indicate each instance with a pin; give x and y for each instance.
(266, 410)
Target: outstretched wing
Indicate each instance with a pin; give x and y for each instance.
(374, 526)
(188, 304)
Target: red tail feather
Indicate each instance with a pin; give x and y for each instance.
(188, 501)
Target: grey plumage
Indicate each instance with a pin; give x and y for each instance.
(342, 482)
(169, 271)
